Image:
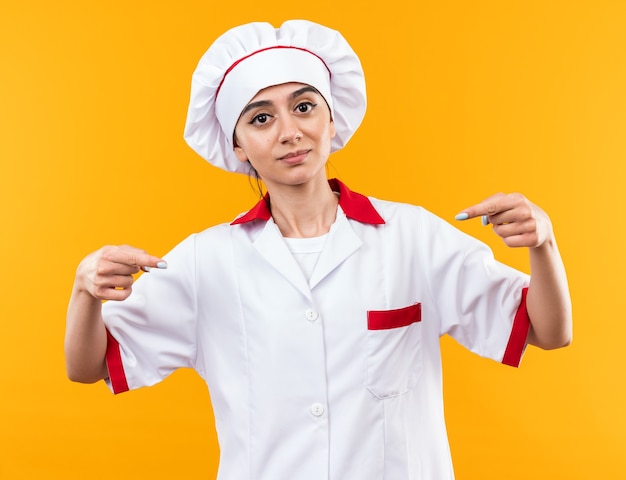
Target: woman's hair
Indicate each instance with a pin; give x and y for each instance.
(257, 179)
(252, 173)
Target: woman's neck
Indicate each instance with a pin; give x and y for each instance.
(304, 211)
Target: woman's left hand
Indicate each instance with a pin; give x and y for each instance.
(516, 219)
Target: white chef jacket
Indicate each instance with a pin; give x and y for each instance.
(335, 378)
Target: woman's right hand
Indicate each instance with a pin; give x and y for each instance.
(107, 274)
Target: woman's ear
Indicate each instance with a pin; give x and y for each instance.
(241, 155)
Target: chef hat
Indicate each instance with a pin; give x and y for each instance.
(254, 56)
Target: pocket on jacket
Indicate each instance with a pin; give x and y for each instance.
(394, 347)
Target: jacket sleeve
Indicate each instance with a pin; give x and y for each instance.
(153, 332)
(480, 301)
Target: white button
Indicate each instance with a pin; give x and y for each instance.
(317, 409)
(311, 315)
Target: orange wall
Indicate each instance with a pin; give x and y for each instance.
(466, 98)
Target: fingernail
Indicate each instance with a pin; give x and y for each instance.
(462, 216)
(161, 265)
(145, 268)
(485, 220)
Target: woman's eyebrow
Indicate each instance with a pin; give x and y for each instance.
(302, 90)
(251, 105)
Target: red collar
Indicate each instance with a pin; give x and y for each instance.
(356, 206)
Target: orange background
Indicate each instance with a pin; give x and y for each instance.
(466, 98)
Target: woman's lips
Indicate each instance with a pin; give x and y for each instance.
(295, 157)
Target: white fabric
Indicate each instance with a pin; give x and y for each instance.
(345, 95)
(306, 251)
(300, 387)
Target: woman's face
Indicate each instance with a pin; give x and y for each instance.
(285, 132)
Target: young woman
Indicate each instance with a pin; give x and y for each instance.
(315, 317)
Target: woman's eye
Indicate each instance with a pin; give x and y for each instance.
(305, 107)
(260, 119)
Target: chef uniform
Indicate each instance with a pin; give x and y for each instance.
(322, 358)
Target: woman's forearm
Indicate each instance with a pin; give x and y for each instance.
(85, 338)
(548, 300)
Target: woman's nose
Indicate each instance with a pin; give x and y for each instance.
(289, 131)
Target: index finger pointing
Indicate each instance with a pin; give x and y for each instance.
(466, 216)
(139, 258)
(161, 264)
(490, 206)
